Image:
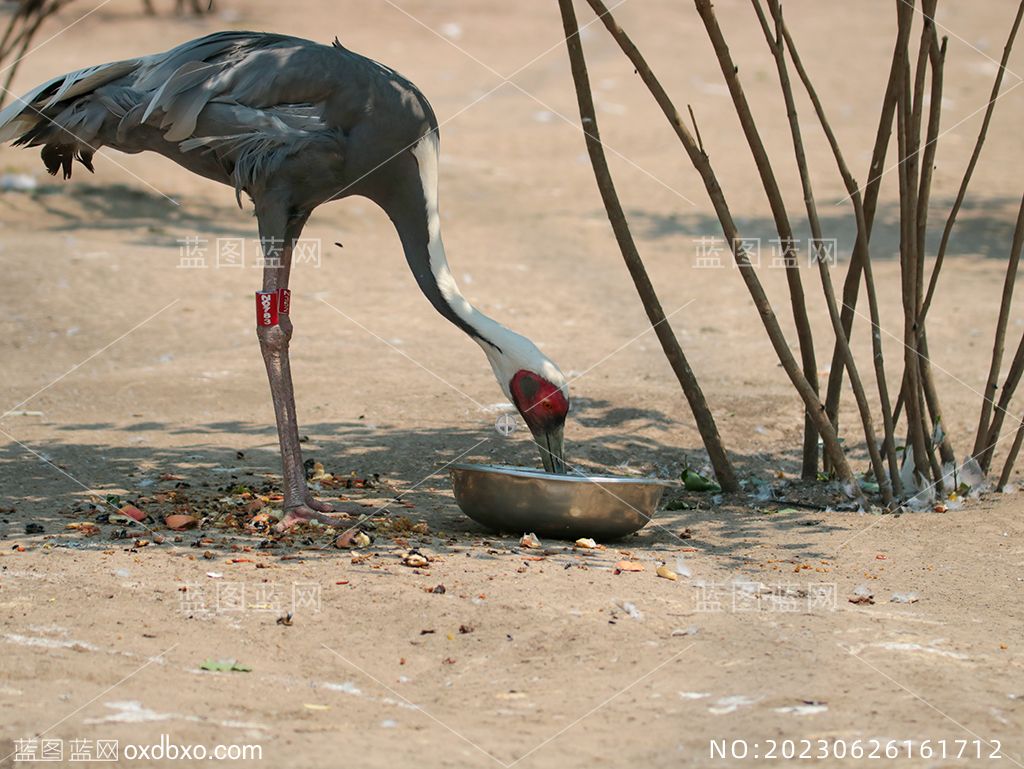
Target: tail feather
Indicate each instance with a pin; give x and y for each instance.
(32, 107)
(20, 115)
(62, 115)
(57, 157)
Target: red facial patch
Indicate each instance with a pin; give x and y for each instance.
(539, 401)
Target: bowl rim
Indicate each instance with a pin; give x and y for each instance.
(530, 472)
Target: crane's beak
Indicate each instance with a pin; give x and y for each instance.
(552, 448)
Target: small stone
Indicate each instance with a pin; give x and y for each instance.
(685, 631)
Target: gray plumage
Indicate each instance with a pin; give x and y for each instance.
(290, 122)
(293, 124)
(231, 106)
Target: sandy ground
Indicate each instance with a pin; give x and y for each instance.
(131, 376)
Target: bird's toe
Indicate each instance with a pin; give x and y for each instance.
(304, 514)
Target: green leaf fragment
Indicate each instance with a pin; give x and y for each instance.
(225, 666)
(694, 481)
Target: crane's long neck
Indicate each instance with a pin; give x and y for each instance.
(417, 219)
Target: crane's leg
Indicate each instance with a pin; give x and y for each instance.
(278, 233)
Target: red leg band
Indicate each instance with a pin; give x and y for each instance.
(267, 308)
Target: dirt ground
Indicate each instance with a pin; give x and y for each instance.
(128, 376)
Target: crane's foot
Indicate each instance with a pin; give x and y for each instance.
(316, 510)
(322, 507)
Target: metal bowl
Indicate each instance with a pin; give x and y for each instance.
(519, 500)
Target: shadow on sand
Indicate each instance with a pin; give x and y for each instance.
(983, 228)
(413, 463)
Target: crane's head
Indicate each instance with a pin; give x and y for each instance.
(538, 390)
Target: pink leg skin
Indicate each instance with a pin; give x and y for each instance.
(299, 504)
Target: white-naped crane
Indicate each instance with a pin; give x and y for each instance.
(293, 124)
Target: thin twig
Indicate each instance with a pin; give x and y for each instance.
(754, 287)
(696, 130)
(1013, 377)
(31, 21)
(916, 228)
(851, 285)
(779, 215)
(984, 455)
(861, 246)
(999, 341)
(778, 51)
(937, 58)
(908, 270)
(616, 216)
(969, 172)
(1011, 458)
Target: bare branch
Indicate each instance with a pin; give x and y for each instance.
(779, 214)
(703, 166)
(969, 172)
(851, 285)
(670, 344)
(778, 51)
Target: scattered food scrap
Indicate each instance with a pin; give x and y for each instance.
(862, 595)
(621, 566)
(529, 540)
(181, 522)
(131, 511)
(414, 559)
(904, 598)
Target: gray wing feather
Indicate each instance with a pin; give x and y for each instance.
(182, 79)
(89, 79)
(229, 94)
(183, 97)
(13, 110)
(118, 100)
(80, 118)
(163, 65)
(254, 142)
